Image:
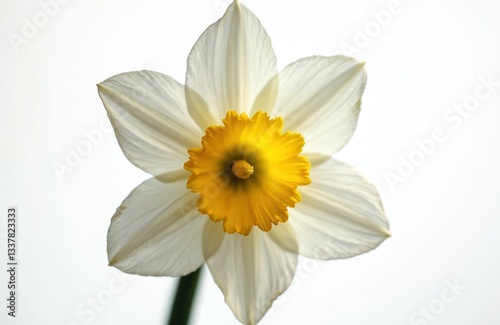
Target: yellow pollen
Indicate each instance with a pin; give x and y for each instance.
(247, 172)
(242, 169)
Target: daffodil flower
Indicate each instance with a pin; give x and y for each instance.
(241, 155)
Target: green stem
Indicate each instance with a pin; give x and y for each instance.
(186, 291)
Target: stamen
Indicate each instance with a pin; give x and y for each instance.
(242, 169)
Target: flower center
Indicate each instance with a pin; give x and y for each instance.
(247, 172)
(241, 169)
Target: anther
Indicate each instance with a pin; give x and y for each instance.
(242, 169)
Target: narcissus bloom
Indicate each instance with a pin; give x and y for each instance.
(241, 155)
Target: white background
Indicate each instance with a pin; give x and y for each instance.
(444, 211)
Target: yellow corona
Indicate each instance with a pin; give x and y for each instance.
(247, 172)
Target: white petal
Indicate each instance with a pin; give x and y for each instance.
(157, 231)
(228, 67)
(150, 118)
(340, 214)
(252, 271)
(320, 98)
